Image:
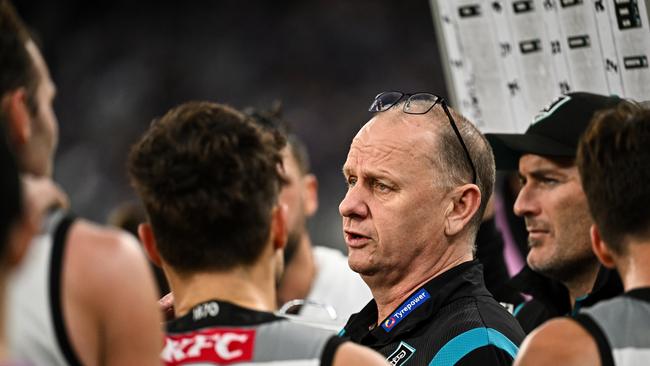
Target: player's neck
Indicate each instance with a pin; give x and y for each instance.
(633, 266)
(299, 274)
(249, 287)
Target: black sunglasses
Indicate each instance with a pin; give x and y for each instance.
(420, 103)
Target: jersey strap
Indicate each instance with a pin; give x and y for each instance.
(56, 282)
(604, 349)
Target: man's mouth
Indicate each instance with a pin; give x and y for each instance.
(355, 239)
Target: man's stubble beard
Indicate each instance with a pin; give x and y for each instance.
(566, 270)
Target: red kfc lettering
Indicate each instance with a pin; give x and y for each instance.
(222, 346)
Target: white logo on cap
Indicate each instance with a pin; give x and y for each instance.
(548, 110)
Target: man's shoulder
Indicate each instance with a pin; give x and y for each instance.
(98, 237)
(558, 339)
(99, 261)
(101, 248)
(466, 314)
(473, 327)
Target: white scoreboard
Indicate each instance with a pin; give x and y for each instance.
(506, 59)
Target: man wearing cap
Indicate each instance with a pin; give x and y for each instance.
(562, 273)
(613, 332)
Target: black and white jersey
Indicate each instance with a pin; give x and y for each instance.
(222, 333)
(621, 328)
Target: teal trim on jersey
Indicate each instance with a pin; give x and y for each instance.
(469, 341)
(578, 305)
(518, 309)
(342, 332)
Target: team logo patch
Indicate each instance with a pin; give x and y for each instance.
(405, 309)
(402, 354)
(548, 110)
(210, 346)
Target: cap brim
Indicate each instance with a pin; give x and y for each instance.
(508, 148)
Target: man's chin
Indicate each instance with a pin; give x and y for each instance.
(361, 267)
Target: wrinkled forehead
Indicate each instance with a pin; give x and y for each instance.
(398, 128)
(395, 137)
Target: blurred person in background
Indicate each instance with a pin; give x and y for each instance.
(562, 273)
(24, 203)
(14, 234)
(613, 160)
(316, 277)
(209, 177)
(57, 309)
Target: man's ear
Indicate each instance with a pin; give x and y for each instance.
(14, 104)
(464, 202)
(310, 183)
(603, 253)
(279, 226)
(145, 232)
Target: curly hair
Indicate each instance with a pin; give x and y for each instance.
(209, 177)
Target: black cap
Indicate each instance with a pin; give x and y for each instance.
(555, 131)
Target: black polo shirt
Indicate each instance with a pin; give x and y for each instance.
(451, 320)
(550, 298)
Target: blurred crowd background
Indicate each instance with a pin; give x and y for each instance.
(119, 64)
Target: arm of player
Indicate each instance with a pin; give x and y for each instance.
(559, 341)
(111, 305)
(132, 321)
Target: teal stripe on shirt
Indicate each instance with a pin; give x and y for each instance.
(469, 341)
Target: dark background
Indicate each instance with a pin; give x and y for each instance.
(119, 64)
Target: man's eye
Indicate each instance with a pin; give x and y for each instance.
(351, 181)
(548, 181)
(382, 187)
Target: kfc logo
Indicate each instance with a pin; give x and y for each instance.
(220, 346)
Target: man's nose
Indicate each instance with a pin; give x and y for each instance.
(527, 202)
(354, 203)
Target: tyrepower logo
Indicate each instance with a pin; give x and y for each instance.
(220, 346)
(390, 322)
(405, 309)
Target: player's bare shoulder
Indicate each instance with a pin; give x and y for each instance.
(99, 260)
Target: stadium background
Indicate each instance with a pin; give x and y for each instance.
(118, 64)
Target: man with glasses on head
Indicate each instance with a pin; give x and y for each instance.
(419, 176)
